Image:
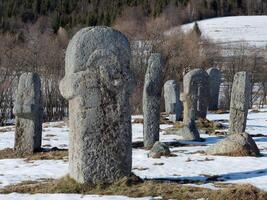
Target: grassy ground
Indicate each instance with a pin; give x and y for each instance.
(135, 187)
(52, 154)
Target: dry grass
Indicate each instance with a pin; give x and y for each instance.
(209, 126)
(239, 153)
(135, 187)
(51, 154)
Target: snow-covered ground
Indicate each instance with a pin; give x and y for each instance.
(189, 164)
(232, 30)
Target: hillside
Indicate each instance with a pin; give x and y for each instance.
(71, 13)
(232, 31)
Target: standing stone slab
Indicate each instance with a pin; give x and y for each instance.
(173, 104)
(202, 95)
(193, 80)
(240, 100)
(98, 82)
(29, 114)
(214, 85)
(151, 99)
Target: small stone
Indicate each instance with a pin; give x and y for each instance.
(159, 149)
(240, 144)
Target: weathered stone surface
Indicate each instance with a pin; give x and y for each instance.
(203, 95)
(173, 105)
(151, 99)
(159, 149)
(195, 83)
(214, 85)
(97, 83)
(29, 114)
(240, 99)
(240, 144)
(224, 96)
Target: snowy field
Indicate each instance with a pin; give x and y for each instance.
(232, 30)
(190, 164)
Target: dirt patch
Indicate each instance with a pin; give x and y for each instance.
(163, 120)
(220, 111)
(135, 187)
(45, 154)
(6, 129)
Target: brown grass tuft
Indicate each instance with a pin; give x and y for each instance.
(135, 187)
(51, 154)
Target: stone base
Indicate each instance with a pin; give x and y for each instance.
(188, 134)
(241, 144)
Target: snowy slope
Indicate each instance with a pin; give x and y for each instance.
(232, 30)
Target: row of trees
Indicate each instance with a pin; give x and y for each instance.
(71, 13)
(36, 47)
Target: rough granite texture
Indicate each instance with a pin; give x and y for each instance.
(240, 100)
(173, 105)
(151, 99)
(29, 114)
(214, 84)
(195, 84)
(98, 82)
(159, 149)
(240, 144)
(202, 95)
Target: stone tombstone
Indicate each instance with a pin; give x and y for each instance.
(240, 100)
(173, 104)
(192, 82)
(97, 83)
(151, 99)
(28, 110)
(214, 85)
(202, 95)
(224, 96)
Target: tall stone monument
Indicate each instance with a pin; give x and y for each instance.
(97, 83)
(151, 99)
(193, 81)
(214, 85)
(29, 114)
(173, 105)
(202, 95)
(240, 100)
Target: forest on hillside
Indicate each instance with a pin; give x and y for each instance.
(34, 35)
(70, 13)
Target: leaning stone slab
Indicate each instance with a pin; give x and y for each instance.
(214, 85)
(241, 144)
(97, 83)
(151, 100)
(240, 100)
(29, 114)
(173, 105)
